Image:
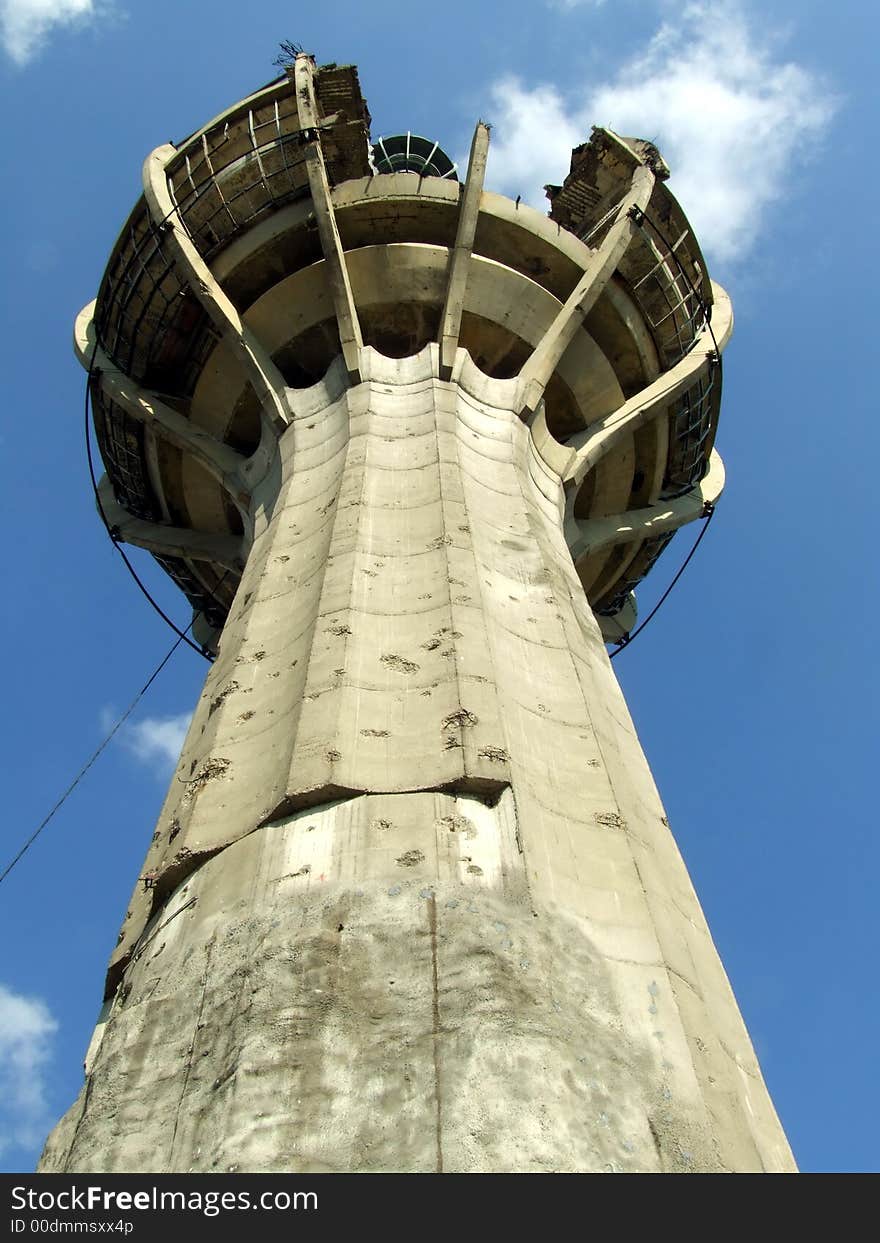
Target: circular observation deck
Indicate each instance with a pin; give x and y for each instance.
(409, 153)
(273, 240)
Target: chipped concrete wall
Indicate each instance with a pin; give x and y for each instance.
(346, 992)
(416, 905)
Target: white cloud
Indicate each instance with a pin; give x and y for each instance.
(26, 1030)
(156, 740)
(25, 25)
(731, 120)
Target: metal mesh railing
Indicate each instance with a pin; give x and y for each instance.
(222, 182)
(201, 599)
(641, 563)
(691, 427)
(237, 173)
(139, 292)
(148, 322)
(670, 300)
(121, 443)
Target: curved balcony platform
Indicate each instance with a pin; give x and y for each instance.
(267, 244)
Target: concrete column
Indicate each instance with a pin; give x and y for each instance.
(334, 257)
(264, 375)
(460, 258)
(412, 902)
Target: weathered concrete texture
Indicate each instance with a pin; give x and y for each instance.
(513, 976)
(241, 272)
(412, 902)
(433, 1021)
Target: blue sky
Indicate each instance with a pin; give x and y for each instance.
(755, 690)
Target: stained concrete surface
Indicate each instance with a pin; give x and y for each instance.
(412, 901)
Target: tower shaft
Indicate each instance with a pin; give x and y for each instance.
(412, 902)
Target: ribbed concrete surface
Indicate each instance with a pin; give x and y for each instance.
(417, 903)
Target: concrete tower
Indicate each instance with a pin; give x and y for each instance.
(407, 446)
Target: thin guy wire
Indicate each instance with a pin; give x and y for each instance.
(180, 633)
(626, 642)
(85, 768)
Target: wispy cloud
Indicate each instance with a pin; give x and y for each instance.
(155, 740)
(732, 119)
(26, 1031)
(25, 25)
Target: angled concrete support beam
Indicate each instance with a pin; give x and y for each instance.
(588, 447)
(594, 534)
(265, 377)
(538, 370)
(334, 257)
(221, 461)
(225, 550)
(469, 214)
